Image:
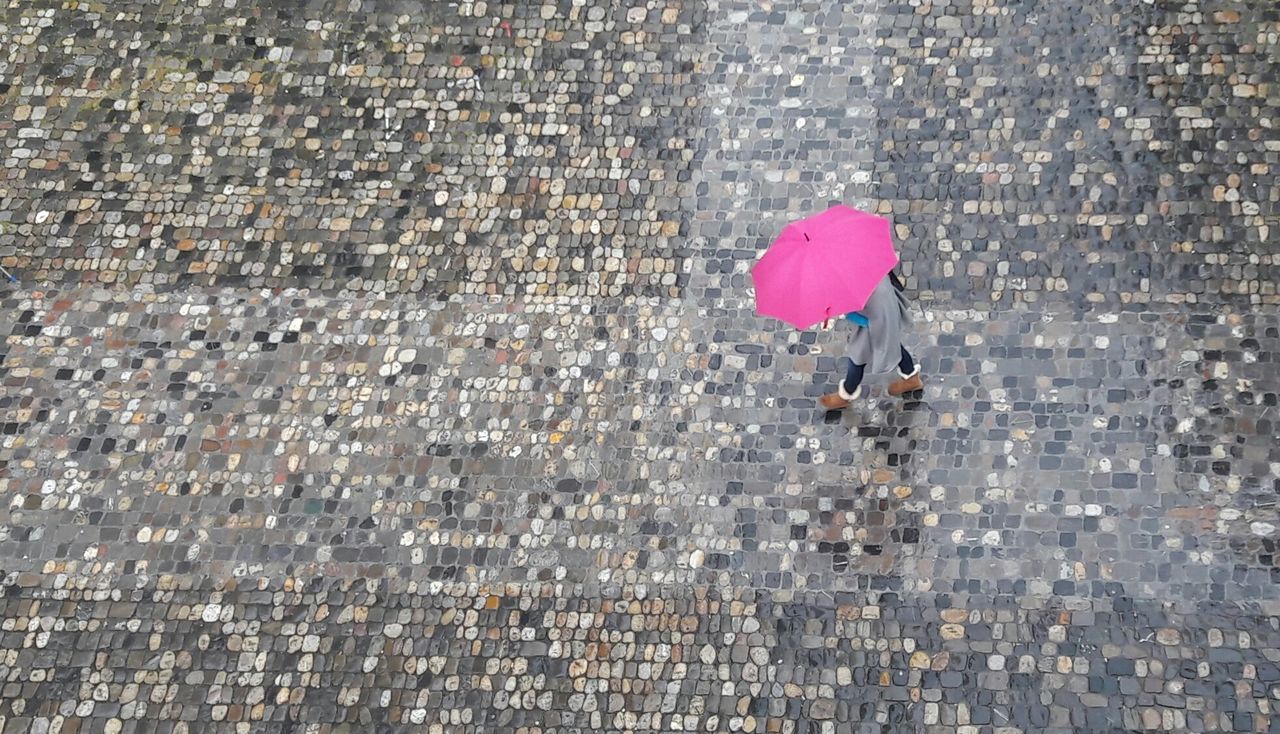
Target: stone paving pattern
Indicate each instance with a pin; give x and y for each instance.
(1023, 143)
(458, 419)
(504, 148)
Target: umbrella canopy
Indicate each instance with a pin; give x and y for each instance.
(823, 267)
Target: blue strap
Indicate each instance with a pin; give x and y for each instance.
(858, 319)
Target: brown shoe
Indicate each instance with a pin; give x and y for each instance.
(840, 399)
(908, 383)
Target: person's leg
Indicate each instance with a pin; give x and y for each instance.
(852, 381)
(909, 372)
(848, 391)
(907, 365)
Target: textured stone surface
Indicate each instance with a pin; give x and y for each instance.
(537, 467)
(1026, 144)
(352, 655)
(526, 148)
(240, 433)
(498, 148)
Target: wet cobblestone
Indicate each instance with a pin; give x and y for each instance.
(342, 655)
(412, 383)
(1024, 145)
(250, 433)
(382, 150)
(488, 148)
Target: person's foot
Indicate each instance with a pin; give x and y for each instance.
(908, 383)
(839, 400)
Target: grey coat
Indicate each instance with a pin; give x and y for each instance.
(878, 346)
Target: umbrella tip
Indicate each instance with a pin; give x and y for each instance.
(806, 236)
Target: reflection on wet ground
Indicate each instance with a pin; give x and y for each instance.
(452, 412)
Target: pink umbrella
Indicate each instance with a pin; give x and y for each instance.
(823, 267)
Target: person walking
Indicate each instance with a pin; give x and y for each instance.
(876, 345)
(841, 262)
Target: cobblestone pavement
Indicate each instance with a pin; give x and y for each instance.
(382, 366)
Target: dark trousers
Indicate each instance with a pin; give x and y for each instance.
(851, 381)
